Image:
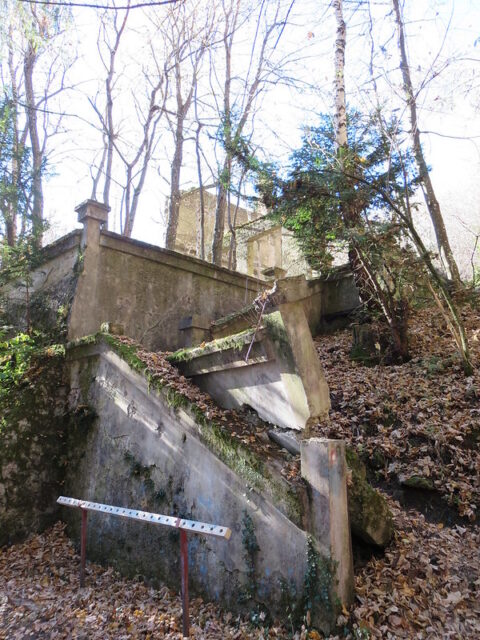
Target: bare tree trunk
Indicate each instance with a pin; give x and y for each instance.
(233, 133)
(433, 205)
(11, 218)
(220, 211)
(224, 183)
(369, 287)
(37, 157)
(174, 208)
(201, 209)
(340, 100)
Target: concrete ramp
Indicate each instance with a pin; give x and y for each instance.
(273, 368)
(152, 448)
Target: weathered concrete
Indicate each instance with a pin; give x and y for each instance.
(265, 248)
(289, 440)
(33, 452)
(143, 452)
(370, 517)
(327, 303)
(195, 330)
(51, 287)
(281, 379)
(94, 216)
(149, 290)
(188, 223)
(323, 466)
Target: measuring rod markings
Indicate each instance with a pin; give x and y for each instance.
(145, 516)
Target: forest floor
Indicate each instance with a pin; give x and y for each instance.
(417, 428)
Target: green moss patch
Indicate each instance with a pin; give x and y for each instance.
(370, 517)
(236, 342)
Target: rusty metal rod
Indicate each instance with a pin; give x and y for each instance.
(83, 547)
(184, 572)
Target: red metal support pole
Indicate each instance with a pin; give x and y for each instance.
(184, 571)
(83, 547)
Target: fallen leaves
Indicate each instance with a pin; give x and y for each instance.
(417, 420)
(40, 598)
(427, 586)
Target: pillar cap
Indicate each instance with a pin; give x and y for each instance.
(92, 209)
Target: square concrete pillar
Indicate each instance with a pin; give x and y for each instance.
(84, 315)
(323, 466)
(195, 330)
(93, 215)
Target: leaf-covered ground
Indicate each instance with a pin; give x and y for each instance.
(417, 420)
(40, 598)
(416, 423)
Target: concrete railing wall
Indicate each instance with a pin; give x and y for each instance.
(142, 452)
(149, 290)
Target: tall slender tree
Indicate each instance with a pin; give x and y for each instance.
(188, 34)
(33, 69)
(431, 199)
(127, 154)
(238, 96)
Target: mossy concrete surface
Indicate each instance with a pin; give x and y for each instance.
(38, 441)
(151, 448)
(370, 517)
(272, 368)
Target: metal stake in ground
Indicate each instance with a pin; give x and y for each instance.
(184, 572)
(83, 546)
(154, 518)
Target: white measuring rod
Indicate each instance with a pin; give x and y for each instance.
(145, 516)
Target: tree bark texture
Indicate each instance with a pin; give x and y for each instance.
(37, 156)
(433, 205)
(340, 100)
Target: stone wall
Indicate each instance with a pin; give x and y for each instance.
(32, 451)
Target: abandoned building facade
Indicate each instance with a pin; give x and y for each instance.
(264, 249)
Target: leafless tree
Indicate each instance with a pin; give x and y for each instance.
(126, 155)
(264, 21)
(431, 200)
(33, 68)
(187, 33)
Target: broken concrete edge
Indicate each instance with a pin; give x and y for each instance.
(231, 451)
(272, 326)
(290, 289)
(370, 517)
(323, 467)
(294, 389)
(241, 318)
(236, 342)
(365, 503)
